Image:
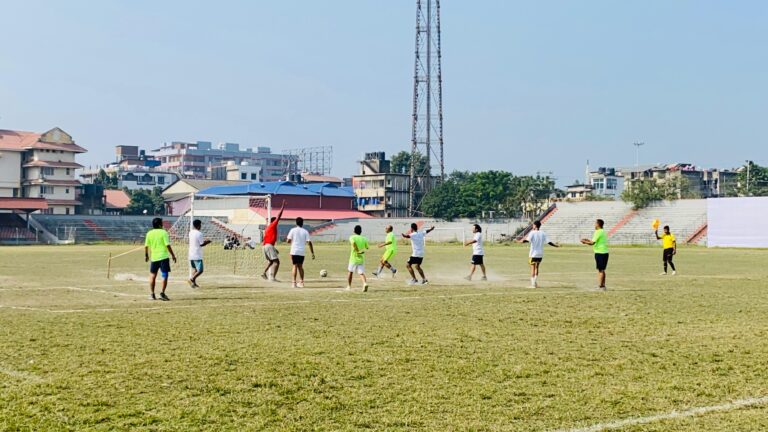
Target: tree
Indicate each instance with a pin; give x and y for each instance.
(109, 181)
(752, 180)
(401, 163)
(642, 192)
(465, 194)
(151, 201)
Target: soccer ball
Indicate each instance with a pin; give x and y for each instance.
(323, 273)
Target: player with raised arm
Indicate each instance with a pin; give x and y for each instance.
(358, 245)
(538, 239)
(298, 237)
(417, 253)
(391, 249)
(271, 253)
(196, 245)
(599, 245)
(478, 252)
(669, 243)
(157, 252)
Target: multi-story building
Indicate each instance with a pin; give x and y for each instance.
(132, 170)
(380, 192)
(606, 182)
(197, 159)
(40, 165)
(691, 181)
(233, 172)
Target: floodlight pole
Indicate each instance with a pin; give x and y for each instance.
(637, 145)
(748, 164)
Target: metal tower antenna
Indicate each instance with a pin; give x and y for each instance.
(427, 127)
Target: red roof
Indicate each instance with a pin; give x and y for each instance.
(20, 141)
(116, 199)
(23, 204)
(316, 214)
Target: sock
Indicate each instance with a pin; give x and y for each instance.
(393, 269)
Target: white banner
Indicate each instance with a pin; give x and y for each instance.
(737, 222)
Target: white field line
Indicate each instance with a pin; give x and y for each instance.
(26, 376)
(286, 302)
(674, 415)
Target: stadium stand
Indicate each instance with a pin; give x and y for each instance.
(92, 229)
(573, 221)
(13, 229)
(685, 218)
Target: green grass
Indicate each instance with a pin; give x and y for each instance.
(79, 352)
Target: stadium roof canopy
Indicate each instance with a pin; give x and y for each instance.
(281, 188)
(23, 204)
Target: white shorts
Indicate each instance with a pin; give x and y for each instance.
(359, 268)
(270, 253)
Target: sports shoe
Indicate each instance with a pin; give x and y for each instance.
(349, 288)
(164, 297)
(674, 272)
(394, 271)
(300, 285)
(601, 289)
(190, 283)
(375, 273)
(484, 278)
(195, 285)
(425, 282)
(293, 285)
(152, 297)
(413, 282)
(365, 288)
(663, 274)
(469, 278)
(264, 276)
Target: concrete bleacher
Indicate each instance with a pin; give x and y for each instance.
(684, 217)
(92, 229)
(13, 229)
(571, 222)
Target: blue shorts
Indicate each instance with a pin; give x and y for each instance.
(197, 265)
(164, 266)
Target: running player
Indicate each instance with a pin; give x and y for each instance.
(599, 245)
(196, 245)
(669, 243)
(537, 238)
(477, 252)
(298, 237)
(157, 252)
(391, 244)
(417, 253)
(270, 252)
(358, 246)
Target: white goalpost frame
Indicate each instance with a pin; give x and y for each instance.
(191, 212)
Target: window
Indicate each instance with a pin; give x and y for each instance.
(46, 190)
(160, 179)
(66, 191)
(612, 184)
(47, 171)
(67, 210)
(253, 176)
(598, 184)
(243, 176)
(68, 171)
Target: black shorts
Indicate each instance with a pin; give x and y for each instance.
(535, 260)
(477, 260)
(415, 260)
(163, 266)
(297, 259)
(601, 261)
(668, 254)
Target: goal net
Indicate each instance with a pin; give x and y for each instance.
(234, 226)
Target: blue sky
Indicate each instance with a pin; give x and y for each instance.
(529, 86)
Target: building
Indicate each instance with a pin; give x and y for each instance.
(132, 170)
(315, 202)
(197, 159)
(40, 165)
(606, 182)
(690, 181)
(578, 192)
(234, 172)
(381, 193)
(177, 196)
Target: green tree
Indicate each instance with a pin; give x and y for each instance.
(151, 201)
(752, 180)
(109, 181)
(401, 163)
(643, 192)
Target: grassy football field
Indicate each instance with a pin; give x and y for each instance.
(80, 352)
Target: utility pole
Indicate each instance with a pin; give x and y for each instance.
(748, 164)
